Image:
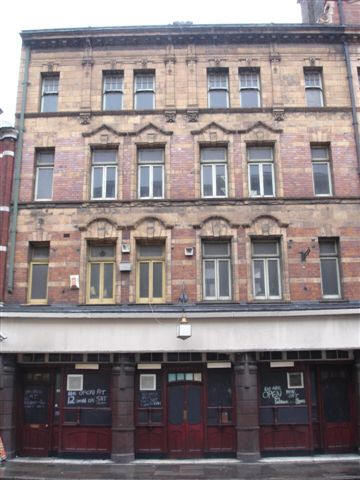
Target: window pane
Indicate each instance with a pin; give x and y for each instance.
(259, 283)
(260, 153)
(321, 178)
(97, 182)
(313, 79)
(221, 180)
(215, 249)
(108, 280)
(254, 180)
(144, 81)
(157, 279)
(151, 155)
(49, 103)
(94, 280)
(40, 252)
(102, 251)
(104, 156)
(39, 282)
(144, 280)
(268, 179)
(314, 97)
(207, 180)
(218, 79)
(274, 287)
(44, 183)
(144, 182)
(144, 101)
(319, 153)
(218, 99)
(44, 158)
(110, 182)
(113, 101)
(329, 276)
(209, 278)
(213, 154)
(327, 247)
(157, 181)
(224, 278)
(265, 248)
(249, 99)
(150, 250)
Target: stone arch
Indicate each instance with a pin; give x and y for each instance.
(150, 227)
(216, 226)
(100, 228)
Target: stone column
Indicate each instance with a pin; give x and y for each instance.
(248, 448)
(357, 395)
(123, 429)
(7, 402)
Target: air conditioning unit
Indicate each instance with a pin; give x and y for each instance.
(189, 251)
(125, 247)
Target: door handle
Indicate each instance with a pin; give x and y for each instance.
(185, 415)
(46, 425)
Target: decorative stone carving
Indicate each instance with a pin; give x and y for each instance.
(84, 118)
(192, 115)
(327, 15)
(275, 57)
(216, 227)
(278, 114)
(170, 116)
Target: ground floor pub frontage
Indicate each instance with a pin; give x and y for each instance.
(180, 404)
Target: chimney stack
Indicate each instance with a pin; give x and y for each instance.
(311, 10)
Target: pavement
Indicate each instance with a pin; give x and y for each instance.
(329, 467)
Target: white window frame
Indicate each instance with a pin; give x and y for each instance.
(325, 161)
(107, 75)
(213, 164)
(151, 177)
(265, 258)
(250, 87)
(318, 87)
(104, 167)
(44, 166)
(46, 91)
(219, 88)
(289, 384)
(71, 377)
(143, 378)
(143, 89)
(216, 259)
(261, 163)
(335, 257)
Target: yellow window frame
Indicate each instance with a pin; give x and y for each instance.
(38, 301)
(150, 262)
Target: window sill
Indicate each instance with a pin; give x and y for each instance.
(332, 300)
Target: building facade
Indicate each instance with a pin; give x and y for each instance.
(185, 278)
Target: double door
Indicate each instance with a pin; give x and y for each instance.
(185, 422)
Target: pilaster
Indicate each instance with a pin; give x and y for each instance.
(7, 402)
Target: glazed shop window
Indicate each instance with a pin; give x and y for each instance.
(103, 174)
(89, 403)
(113, 90)
(144, 89)
(266, 269)
(149, 399)
(44, 174)
(249, 85)
(38, 273)
(213, 172)
(150, 273)
(218, 88)
(219, 395)
(313, 88)
(329, 263)
(282, 397)
(216, 270)
(49, 93)
(261, 171)
(321, 171)
(151, 173)
(101, 273)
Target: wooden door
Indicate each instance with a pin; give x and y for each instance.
(338, 416)
(185, 421)
(36, 401)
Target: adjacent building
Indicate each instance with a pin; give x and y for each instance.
(184, 279)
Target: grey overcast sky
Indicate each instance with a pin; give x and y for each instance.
(40, 14)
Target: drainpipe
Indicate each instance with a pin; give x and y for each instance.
(16, 184)
(351, 87)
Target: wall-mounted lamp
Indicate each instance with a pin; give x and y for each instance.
(2, 338)
(183, 329)
(304, 254)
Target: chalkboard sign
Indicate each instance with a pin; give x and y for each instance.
(150, 398)
(274, 390)
(36, 404)
(95, 393)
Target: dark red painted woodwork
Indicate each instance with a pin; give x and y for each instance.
(149, 439)
(284, 437)
(86, 439)
(35, 440)
(185, 427)
(221, 438)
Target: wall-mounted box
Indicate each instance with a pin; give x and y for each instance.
(125, 267)
(125, 247)
(74, 282)
(189, 251)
